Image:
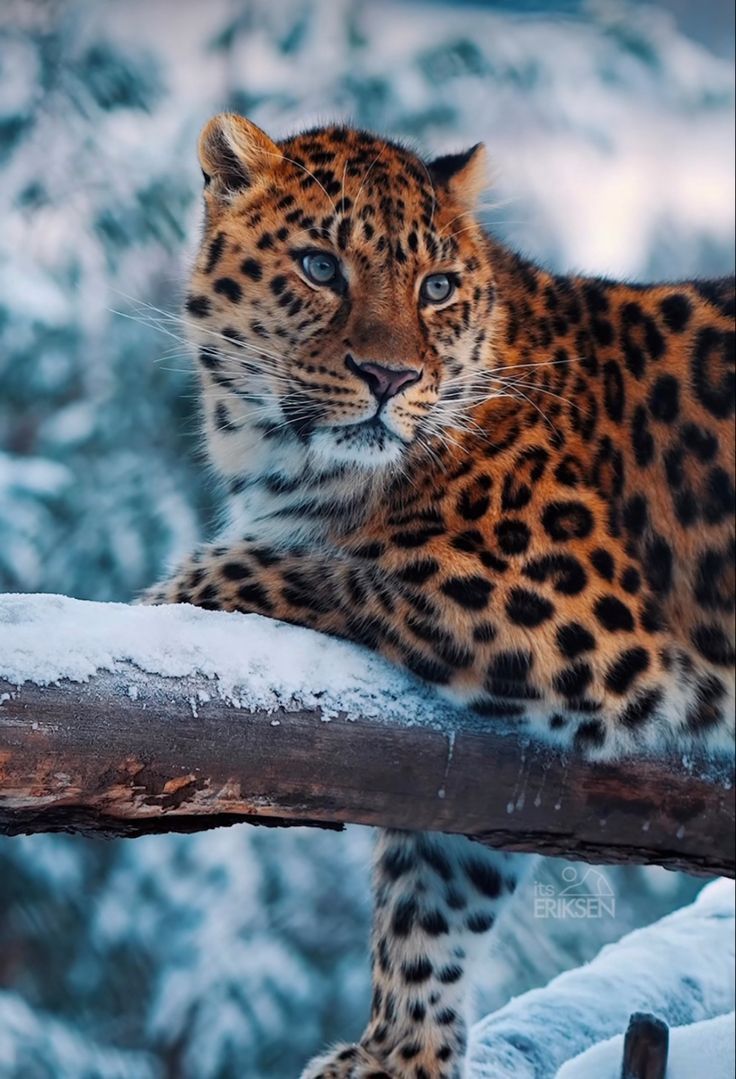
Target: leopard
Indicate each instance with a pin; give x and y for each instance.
(514, 484)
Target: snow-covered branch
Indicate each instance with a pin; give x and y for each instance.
(132, 720)
(679, 969)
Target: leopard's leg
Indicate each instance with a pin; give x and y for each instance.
(436, 896)
(436, 899)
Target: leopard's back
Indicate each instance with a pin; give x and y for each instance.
(603, 502)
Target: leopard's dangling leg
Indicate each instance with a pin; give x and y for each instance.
(437, 897)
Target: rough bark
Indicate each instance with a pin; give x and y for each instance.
(129, 754)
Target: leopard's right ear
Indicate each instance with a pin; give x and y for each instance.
(464, 175)
(234, 153)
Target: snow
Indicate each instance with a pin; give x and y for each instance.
(30, 293)
(605, 219)
(33, 474)
(681, 969)
(240, 948)
(253, 662)
(705, 1048)
(611, 137)
(34, 1044)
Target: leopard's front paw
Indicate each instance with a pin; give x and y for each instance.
(346, 1062)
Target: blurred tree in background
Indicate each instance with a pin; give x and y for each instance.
(610, 125)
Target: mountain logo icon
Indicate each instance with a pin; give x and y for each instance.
(583, 893)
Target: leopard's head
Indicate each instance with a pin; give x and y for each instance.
(342, 292)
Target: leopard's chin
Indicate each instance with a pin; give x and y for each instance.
(369, 445)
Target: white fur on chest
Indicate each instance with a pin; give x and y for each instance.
(277, 494)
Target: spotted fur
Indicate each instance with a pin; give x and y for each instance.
(540, 520)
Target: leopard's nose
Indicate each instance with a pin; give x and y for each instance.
(384, 382)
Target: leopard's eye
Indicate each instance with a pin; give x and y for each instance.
(437, 287)
(321, 267)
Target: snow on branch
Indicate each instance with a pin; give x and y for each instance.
(680, 970)
(130, 720)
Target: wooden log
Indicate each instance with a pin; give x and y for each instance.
(130, 753)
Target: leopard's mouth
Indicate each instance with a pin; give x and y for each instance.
(376, 426)
(368, 443)
(372, 430)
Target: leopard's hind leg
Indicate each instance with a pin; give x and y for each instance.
(436, 897)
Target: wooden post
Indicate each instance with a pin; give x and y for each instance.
(646, 1047)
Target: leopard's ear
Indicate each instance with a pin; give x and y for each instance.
(464, 175)
(234, 153)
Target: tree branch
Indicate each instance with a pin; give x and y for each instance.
(679, 969)
(130, 752)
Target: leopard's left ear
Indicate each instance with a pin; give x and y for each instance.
(465, 175)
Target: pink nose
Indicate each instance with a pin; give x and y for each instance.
(384, 382)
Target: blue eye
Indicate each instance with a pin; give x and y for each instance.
(320, 267)
(437, 287)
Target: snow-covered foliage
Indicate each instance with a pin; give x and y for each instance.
(611, 132)
(34, 1044)
(680, 969)
(257, 948)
